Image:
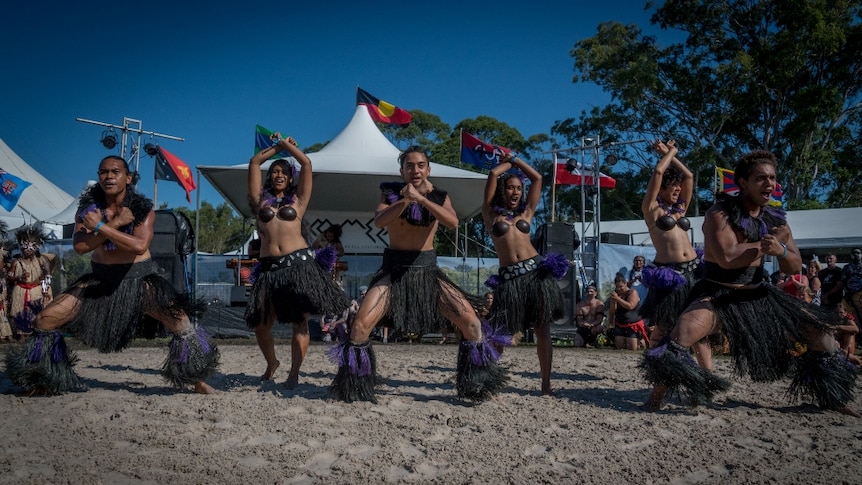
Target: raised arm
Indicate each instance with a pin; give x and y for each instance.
(668, 153)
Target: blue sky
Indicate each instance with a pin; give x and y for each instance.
(209, 72)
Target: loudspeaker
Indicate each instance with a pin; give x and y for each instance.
(615, 238)
(172, 268)
(570, 288)
(557, 237)
(172, 234)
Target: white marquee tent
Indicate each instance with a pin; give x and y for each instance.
(347, 176)
(821, 229)
(41, 201)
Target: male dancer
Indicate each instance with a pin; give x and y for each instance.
(104, 308)
(413, 292)
(770, 332)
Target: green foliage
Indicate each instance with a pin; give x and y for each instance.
(781, 76)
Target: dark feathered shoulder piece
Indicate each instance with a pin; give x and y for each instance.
(752, 228)
(93, 198)
(414, 214)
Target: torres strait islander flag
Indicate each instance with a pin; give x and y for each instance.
(479, 154)
(381, 111)
(262, 140)
(724, 183)
(170, 167)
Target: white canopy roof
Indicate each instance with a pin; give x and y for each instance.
(347, 176)
(812, 229)
(42, 201)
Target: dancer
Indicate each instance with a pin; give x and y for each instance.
(104, 308)
(30, 278)
(676, 267)
(770, 333)
(291, 284)
(410, 289)
(526, 294)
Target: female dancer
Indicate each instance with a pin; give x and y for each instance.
(675, 270)
(291, 284)
(525, 292)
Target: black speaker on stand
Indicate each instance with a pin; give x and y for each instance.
(560, 237)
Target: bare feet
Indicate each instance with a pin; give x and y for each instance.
(204, 388)
(653, 403)
(849, 412)
(270, 371)
(292, 382)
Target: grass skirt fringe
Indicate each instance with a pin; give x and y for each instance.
(192, 357)
(43, 364)
(417, 291)
(530, 300)
(479, 376)
(665, 299)
(357, 372)
(826, 378)
(114, 299)
(294, 284)
(673, 366)
(762, 325)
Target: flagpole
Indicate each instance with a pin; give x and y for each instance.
(554, 190)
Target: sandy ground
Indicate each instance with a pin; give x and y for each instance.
(129, 427)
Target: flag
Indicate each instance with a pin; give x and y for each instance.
(724, 183)
(262, 140)
(11, 188)
(170, 167)
(565, 177)
(381, 111)
(478, 153)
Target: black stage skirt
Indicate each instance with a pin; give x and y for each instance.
(669, 285)
(527, 296)
(114, 299)
(291, 286)
(418, 290)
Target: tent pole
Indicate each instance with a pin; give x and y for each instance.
(554, 189)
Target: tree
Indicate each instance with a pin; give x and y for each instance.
(780, 76)
(220, 229)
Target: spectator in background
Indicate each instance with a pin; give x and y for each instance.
(851, 282)
(814, 282)
(795, 283)
(635, 277)
(845, 334)
(628, 325)
(830, 282)
(589, 315)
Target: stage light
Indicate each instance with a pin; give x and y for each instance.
(150, 149)
(571, 165)
(612, 159)
(109, 139)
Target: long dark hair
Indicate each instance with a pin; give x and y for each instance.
(499, 199)
(287, 167)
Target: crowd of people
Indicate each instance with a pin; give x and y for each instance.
(801, 322)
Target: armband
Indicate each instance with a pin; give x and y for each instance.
(784, 254)
(98, 226)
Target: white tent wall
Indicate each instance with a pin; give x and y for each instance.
(41, 201)
(346, 184)
(814, 231)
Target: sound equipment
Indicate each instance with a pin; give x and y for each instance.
(173, 240)
(172, 268)
(615, 238)
(557, 237)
